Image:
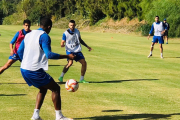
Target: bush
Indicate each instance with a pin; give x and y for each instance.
(145, 28)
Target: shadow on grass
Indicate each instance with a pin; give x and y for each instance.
(111, 110)
(119, 81)
(171, 57)
(13, 83)
(144, 116)
(12, 94)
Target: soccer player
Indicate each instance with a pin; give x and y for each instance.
(72, 41)
(166, 33)
(35, 50)
(19, 36)
(159, 29)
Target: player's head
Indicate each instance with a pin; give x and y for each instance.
(157, 18)
(26, 24)
(164, 20)
(72, 24)
(46, 24)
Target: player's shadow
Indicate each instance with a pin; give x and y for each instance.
(12, 95)
(49, 65)
(13, 83)
(111, 110)
(119, 81)
(171, 57)
(144, 116)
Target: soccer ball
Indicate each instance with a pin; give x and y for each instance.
(71, 85)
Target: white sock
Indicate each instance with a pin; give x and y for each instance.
(161, 54)
(150, 52)
(58, 114)
(36, 114)
(82, 78)
(62, 74)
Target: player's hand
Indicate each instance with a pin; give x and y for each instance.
(11, 53)
(62, 45)
(148, 37)
(71, 56)
(89, 48)
(162, 33)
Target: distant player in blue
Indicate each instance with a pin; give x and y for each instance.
(16, 41)
(166, 33)
(159, 29)
(34, 51)
(72, 41)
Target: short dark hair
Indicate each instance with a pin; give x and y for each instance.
(27, 21)
(45, 21)
(157, 16)
(72, 21)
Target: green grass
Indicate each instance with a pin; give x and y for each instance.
(125, 84)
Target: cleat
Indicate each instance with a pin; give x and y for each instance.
(166, 42)
(162, 57)
(150, 56)
(64, 118)
(83, 81)
(60, 79)
(36, 119)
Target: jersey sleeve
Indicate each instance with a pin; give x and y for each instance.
(14, 38)
(45, 43)
(64, 37)
(152, 29)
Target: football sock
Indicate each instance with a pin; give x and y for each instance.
(150, 52)
(161, 54)
(58, 114)
(82, 78)
(62, 74)
(36, 114)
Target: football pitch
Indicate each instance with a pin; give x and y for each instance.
(124, 83)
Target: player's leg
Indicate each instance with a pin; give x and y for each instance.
(151, 49)
(7, 65)
(161, 41)
(161, 50)
(56, 98)
(83, 70)
(39, 101)
(65, 69)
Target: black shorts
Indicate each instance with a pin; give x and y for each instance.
(166, 33)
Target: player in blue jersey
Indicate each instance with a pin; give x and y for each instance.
(72, 41)
(16, 41)
(159, 29)
(166, 33)
(34, 51)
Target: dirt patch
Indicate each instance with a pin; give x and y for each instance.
(122, 26)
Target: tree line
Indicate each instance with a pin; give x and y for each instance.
(95, 10)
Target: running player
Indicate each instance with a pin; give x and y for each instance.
(159, 29)
(19, 36)
(166, 33)
(34, 51)
(71, 40)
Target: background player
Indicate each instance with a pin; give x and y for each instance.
(71, 40)
(35, 51)
(166, 33)
(19, 36)
(159, 29)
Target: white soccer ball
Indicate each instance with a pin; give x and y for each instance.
(71, 85)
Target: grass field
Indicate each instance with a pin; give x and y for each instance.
(125, 84)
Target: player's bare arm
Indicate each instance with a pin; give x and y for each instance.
(148, 36)
(11, 49)
(62, 43)
(83, 43)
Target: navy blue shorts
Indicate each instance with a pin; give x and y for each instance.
(14, 57)
(78, 55)
(157, 39)
(37, 78)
